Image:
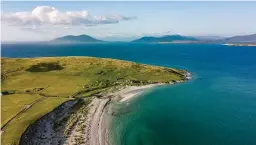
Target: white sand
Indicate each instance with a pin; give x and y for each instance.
(133, 91)
(97, 124)
(93, 131)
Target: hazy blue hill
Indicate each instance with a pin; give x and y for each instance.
(250, 39)
(80, 38)
(245, 38)
(168, 38)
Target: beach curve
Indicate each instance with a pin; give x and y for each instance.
(97, 124)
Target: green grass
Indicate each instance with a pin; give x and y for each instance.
(60, 78)
(13, 104)
(13, 131)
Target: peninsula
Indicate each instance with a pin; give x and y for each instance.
(60, 100)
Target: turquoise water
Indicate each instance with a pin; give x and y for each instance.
(217, 107)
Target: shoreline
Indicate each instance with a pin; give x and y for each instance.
(97, 122)
(96, 132)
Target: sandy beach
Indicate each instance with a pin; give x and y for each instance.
(96, 131)
(133, 91)
(98, 117)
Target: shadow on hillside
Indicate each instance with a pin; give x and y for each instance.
(45, 67)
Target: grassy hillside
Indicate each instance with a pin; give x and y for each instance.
(32, 87)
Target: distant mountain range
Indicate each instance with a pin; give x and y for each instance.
(164, 39)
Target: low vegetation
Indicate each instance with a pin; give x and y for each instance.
(32, 87)
(44, 67)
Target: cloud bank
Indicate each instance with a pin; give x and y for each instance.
(45, 15)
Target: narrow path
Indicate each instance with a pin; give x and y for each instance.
(26, 107)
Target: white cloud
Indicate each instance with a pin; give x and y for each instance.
(47, 15)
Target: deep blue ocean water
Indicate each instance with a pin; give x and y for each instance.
(217, 107)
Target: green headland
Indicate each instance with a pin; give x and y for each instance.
(33, 87)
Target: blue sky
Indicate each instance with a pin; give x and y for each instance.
(127, 20)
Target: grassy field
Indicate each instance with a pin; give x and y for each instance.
(48, 82)
(13, 104)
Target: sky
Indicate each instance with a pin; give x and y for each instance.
(124, 21)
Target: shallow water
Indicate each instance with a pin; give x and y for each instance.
(217, 107)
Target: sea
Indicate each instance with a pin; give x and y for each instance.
(216, 107)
